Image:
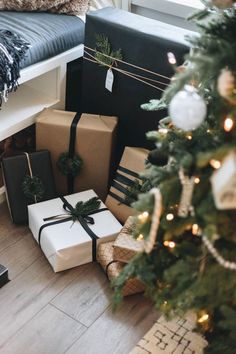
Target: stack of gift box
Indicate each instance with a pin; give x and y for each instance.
(62, 192)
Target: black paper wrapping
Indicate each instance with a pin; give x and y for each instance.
(143, 42)
(14, 170)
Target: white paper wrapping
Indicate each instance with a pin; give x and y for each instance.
(67, 244)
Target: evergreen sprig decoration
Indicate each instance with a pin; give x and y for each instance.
(33, 188)
(85, 208)
(69, 166)
(104, 51)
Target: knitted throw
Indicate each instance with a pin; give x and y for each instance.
(12, 50)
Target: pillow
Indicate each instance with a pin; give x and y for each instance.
(71, 7)
(99, 4)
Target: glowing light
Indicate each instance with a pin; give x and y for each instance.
(195, 229)
(189, 137)
(203, 318)
(197, 180)
(215, 164)
(228, 124)
(170, 244)
(163, 131)
(140, 237)
(171, 58)
(143, 217)
(170, 217)
(208, 131)
(165, 303)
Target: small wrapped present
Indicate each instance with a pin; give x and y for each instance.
(81, 147)
(125, 246)
(175, 336)
(113, 268)
(131, 164)
(69, 228)
(28, 179)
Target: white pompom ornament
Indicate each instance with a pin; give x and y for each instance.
(187, 109)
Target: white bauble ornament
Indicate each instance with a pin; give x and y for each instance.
(187, 109)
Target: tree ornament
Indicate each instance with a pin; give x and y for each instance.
(148, 244)
(223, 183)
(158, 158)
(226, 86)
(222, 4)
(204, 320)
(185, 205)
(187, 109)
(215, 254)
(68, 165)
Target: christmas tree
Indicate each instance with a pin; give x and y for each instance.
(187, 221)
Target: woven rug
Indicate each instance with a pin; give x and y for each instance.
(172, 337)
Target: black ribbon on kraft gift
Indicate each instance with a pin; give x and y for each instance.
(120, 178)
(84, 218)
(69, 163)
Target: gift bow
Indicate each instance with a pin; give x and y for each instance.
(81, 213)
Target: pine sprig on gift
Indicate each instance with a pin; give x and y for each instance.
(33, 188)
(85, 208)
(104, 51)
(69, 166)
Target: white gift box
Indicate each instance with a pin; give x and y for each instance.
(67, 245)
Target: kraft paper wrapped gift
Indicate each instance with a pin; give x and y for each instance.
(15, 169)
(113, 268)
(172, 337)
(95, 137)
(131, 164)
(125, 246)
(68, 244)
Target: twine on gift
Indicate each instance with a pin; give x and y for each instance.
(140, 78)
(82, 215)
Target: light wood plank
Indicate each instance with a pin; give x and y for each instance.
(9, 233)
(20, 255)
(117, 333)
(49, 332)
(23, 297)
(86, 298)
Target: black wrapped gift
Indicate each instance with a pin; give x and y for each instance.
(144, 43)
(28, 179)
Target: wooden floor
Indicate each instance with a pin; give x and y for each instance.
(68, 312)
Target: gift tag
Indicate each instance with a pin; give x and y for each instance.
(109, 80)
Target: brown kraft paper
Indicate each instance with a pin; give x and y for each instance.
(133, 159)
(95, 139)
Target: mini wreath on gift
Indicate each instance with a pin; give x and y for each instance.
(69, 165)
(33, 188)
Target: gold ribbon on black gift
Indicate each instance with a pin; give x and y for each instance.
(72, 215)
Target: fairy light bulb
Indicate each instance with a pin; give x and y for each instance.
(140, 237)
(203, 318)
(171, 58)
(215, 164)
(143, 217)
(169, 216)
(196, 180)
(170, 244)
(228, 124)
(163, 131)
(195, 229)
(189, 137)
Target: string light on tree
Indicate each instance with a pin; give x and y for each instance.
(170, 217)
(215, 164)
(196, 180)
(195, 229)
(140, 237)
(171, 58)
(228, 124)
(169, 244)
(187, 109)
(143, 217)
